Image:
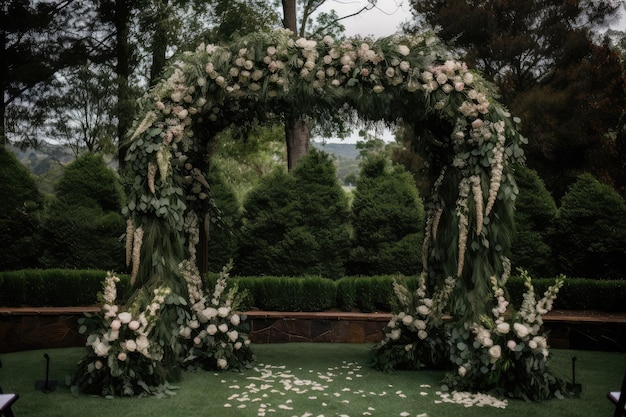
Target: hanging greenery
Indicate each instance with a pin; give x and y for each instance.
(409, 78)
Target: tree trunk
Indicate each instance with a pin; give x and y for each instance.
(159, 42)
(124, 110)
(297, 132)
(289, 15)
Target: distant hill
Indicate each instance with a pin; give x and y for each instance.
(46, 163)
(346, 159)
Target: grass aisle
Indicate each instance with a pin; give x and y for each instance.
(304, 380)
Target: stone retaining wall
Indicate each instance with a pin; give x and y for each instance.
(44, 328)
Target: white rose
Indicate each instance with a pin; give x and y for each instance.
(125, 317)
(503, 328)
(422, 334)
(407, 320)
(521, 330)
(197, 340)
(221, 363)
(395, 334)
(403, 50)
(194, 324)
(462, 371)
(495, 352)
(233, 335)
(133, 325)
(211, 329)
(532, 344)
(121, 356)
(223, 327)
(420, 324)
(223, 311)
(238, 345)
(511, 345)
(209, 312)
(143, 343)
(477, 124)
(98, 365)
(115, 325)
(131, 346)
(101, 349)
(423, 310)
(235, 320)
(378, 89)
(185, 332)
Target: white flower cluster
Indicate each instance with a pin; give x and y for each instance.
(518, 333)
(462, 211)
(213, 328)
(416, 311)
(124, 333)
(497, 165)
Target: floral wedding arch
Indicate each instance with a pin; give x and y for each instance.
(409, 78)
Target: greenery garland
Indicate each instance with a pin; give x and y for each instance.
(410, 78)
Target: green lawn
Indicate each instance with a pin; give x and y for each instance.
(304, 379)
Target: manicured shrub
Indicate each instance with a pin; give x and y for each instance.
(55, 287)
(296, 224)
(225, 226)
(576, 293)
(83, 225)
(267, 217)
(291, 294)
(535, 211)
(590, 232)
(20, 211)
(387, 221)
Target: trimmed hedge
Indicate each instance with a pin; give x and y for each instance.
(55, 287)
(576, 293)
(58, 287)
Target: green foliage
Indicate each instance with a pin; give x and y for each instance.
(226, 222)
(590, 232)
(55, 287)
(89, 182)
(266, 219)
(83, 226)
(289, 293)
(296, 223)
(20, 208)
(323, 207)
(388, 219)
(535, 211)
(576, 293)
(368, 294)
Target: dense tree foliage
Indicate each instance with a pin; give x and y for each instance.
(590, 233)
(387, 221)
(542, 57)
(296, 224)
(20, 211)
(223, 231)
(535, 211)
(83, 226)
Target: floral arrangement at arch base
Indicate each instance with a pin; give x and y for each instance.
(506, 354)
(123, 357)
(216, 335)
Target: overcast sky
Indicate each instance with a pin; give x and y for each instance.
(383, 19)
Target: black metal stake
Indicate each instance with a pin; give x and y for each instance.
(46, 385)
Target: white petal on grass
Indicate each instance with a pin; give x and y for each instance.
(423, 394)
(405, 414)
(227, 405)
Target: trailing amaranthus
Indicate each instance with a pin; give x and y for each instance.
(478, 202)
(497, 166)
(137, 240)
